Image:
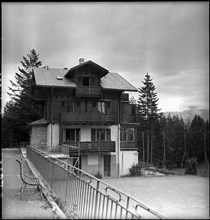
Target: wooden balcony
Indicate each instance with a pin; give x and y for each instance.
(125, 145)
(88, 146)
(96, 118)
(88, 91)
(128, 118)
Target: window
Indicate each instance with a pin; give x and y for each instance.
(127, 134)
(108, 134)
(101, 107)
(79, 79)
(94, 104)
(70, 107)
(72, 134)
(108, 109)
(100, 134)
(104, 107)
(86, 81)
(62, 103)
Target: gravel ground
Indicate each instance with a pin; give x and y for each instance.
(175, 197)
(30, 206)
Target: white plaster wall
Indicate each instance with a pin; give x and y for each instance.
(127, 159)
(115, 137)
(54, 130)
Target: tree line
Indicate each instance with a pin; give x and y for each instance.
(20, 110)
(166, 140)
(161, 139)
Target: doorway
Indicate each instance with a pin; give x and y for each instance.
(107, 165)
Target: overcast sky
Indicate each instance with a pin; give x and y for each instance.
(168, 40)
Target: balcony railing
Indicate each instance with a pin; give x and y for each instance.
(128, 118)
(88, 117)
(128, 145)
(88, 91)
(89, 146)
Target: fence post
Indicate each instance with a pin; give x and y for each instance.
(52, 176)
(96, 201)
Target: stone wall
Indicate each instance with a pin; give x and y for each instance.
(39, 135)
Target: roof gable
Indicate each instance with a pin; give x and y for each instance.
(87, 66)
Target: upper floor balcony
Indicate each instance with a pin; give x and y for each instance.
(88, 91)
(125, 118)
(88, 118)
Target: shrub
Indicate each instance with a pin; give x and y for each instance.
(135, 170)
(191, 166)
(98, 175)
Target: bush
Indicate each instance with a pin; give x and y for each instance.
(98, 175)
(165, 171)
(135, 170)
(191, 166)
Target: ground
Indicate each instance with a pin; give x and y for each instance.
(30, 206)
(174, 197)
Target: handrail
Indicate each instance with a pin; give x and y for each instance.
(80, 174)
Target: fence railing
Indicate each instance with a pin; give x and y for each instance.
(86, 196)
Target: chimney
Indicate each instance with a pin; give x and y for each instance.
(81, 60)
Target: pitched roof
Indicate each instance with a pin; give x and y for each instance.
(52, 77)
(39, 122)
(117, 82)
(56, 77)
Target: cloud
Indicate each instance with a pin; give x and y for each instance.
(167, 40)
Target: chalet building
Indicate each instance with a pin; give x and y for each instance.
(86, 107)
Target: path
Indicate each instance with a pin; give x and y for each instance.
(30, 206)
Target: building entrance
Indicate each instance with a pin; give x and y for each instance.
(107, 165)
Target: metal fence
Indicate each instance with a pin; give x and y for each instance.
(86, 196)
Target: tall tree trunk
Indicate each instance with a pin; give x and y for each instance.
(151, 147)
(143, 147)
(164, 149)
(147, 147)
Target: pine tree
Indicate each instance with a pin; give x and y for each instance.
(196, 138)
(21, 107)
(148, 116)
(148, 102)
(174, 130)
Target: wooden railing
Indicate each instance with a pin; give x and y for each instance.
(88, 91)
(128, 118)
(128, 145)
(90, 146)
(88, 117)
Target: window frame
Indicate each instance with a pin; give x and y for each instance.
(95, 134)
(127, 134)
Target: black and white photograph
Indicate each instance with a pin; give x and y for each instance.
(105, 110)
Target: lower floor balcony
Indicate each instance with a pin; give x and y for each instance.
(90, 146)
(128, 145)
(80, 147)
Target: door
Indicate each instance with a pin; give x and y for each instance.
(107, 165)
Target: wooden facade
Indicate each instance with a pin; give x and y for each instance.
(85, 107)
